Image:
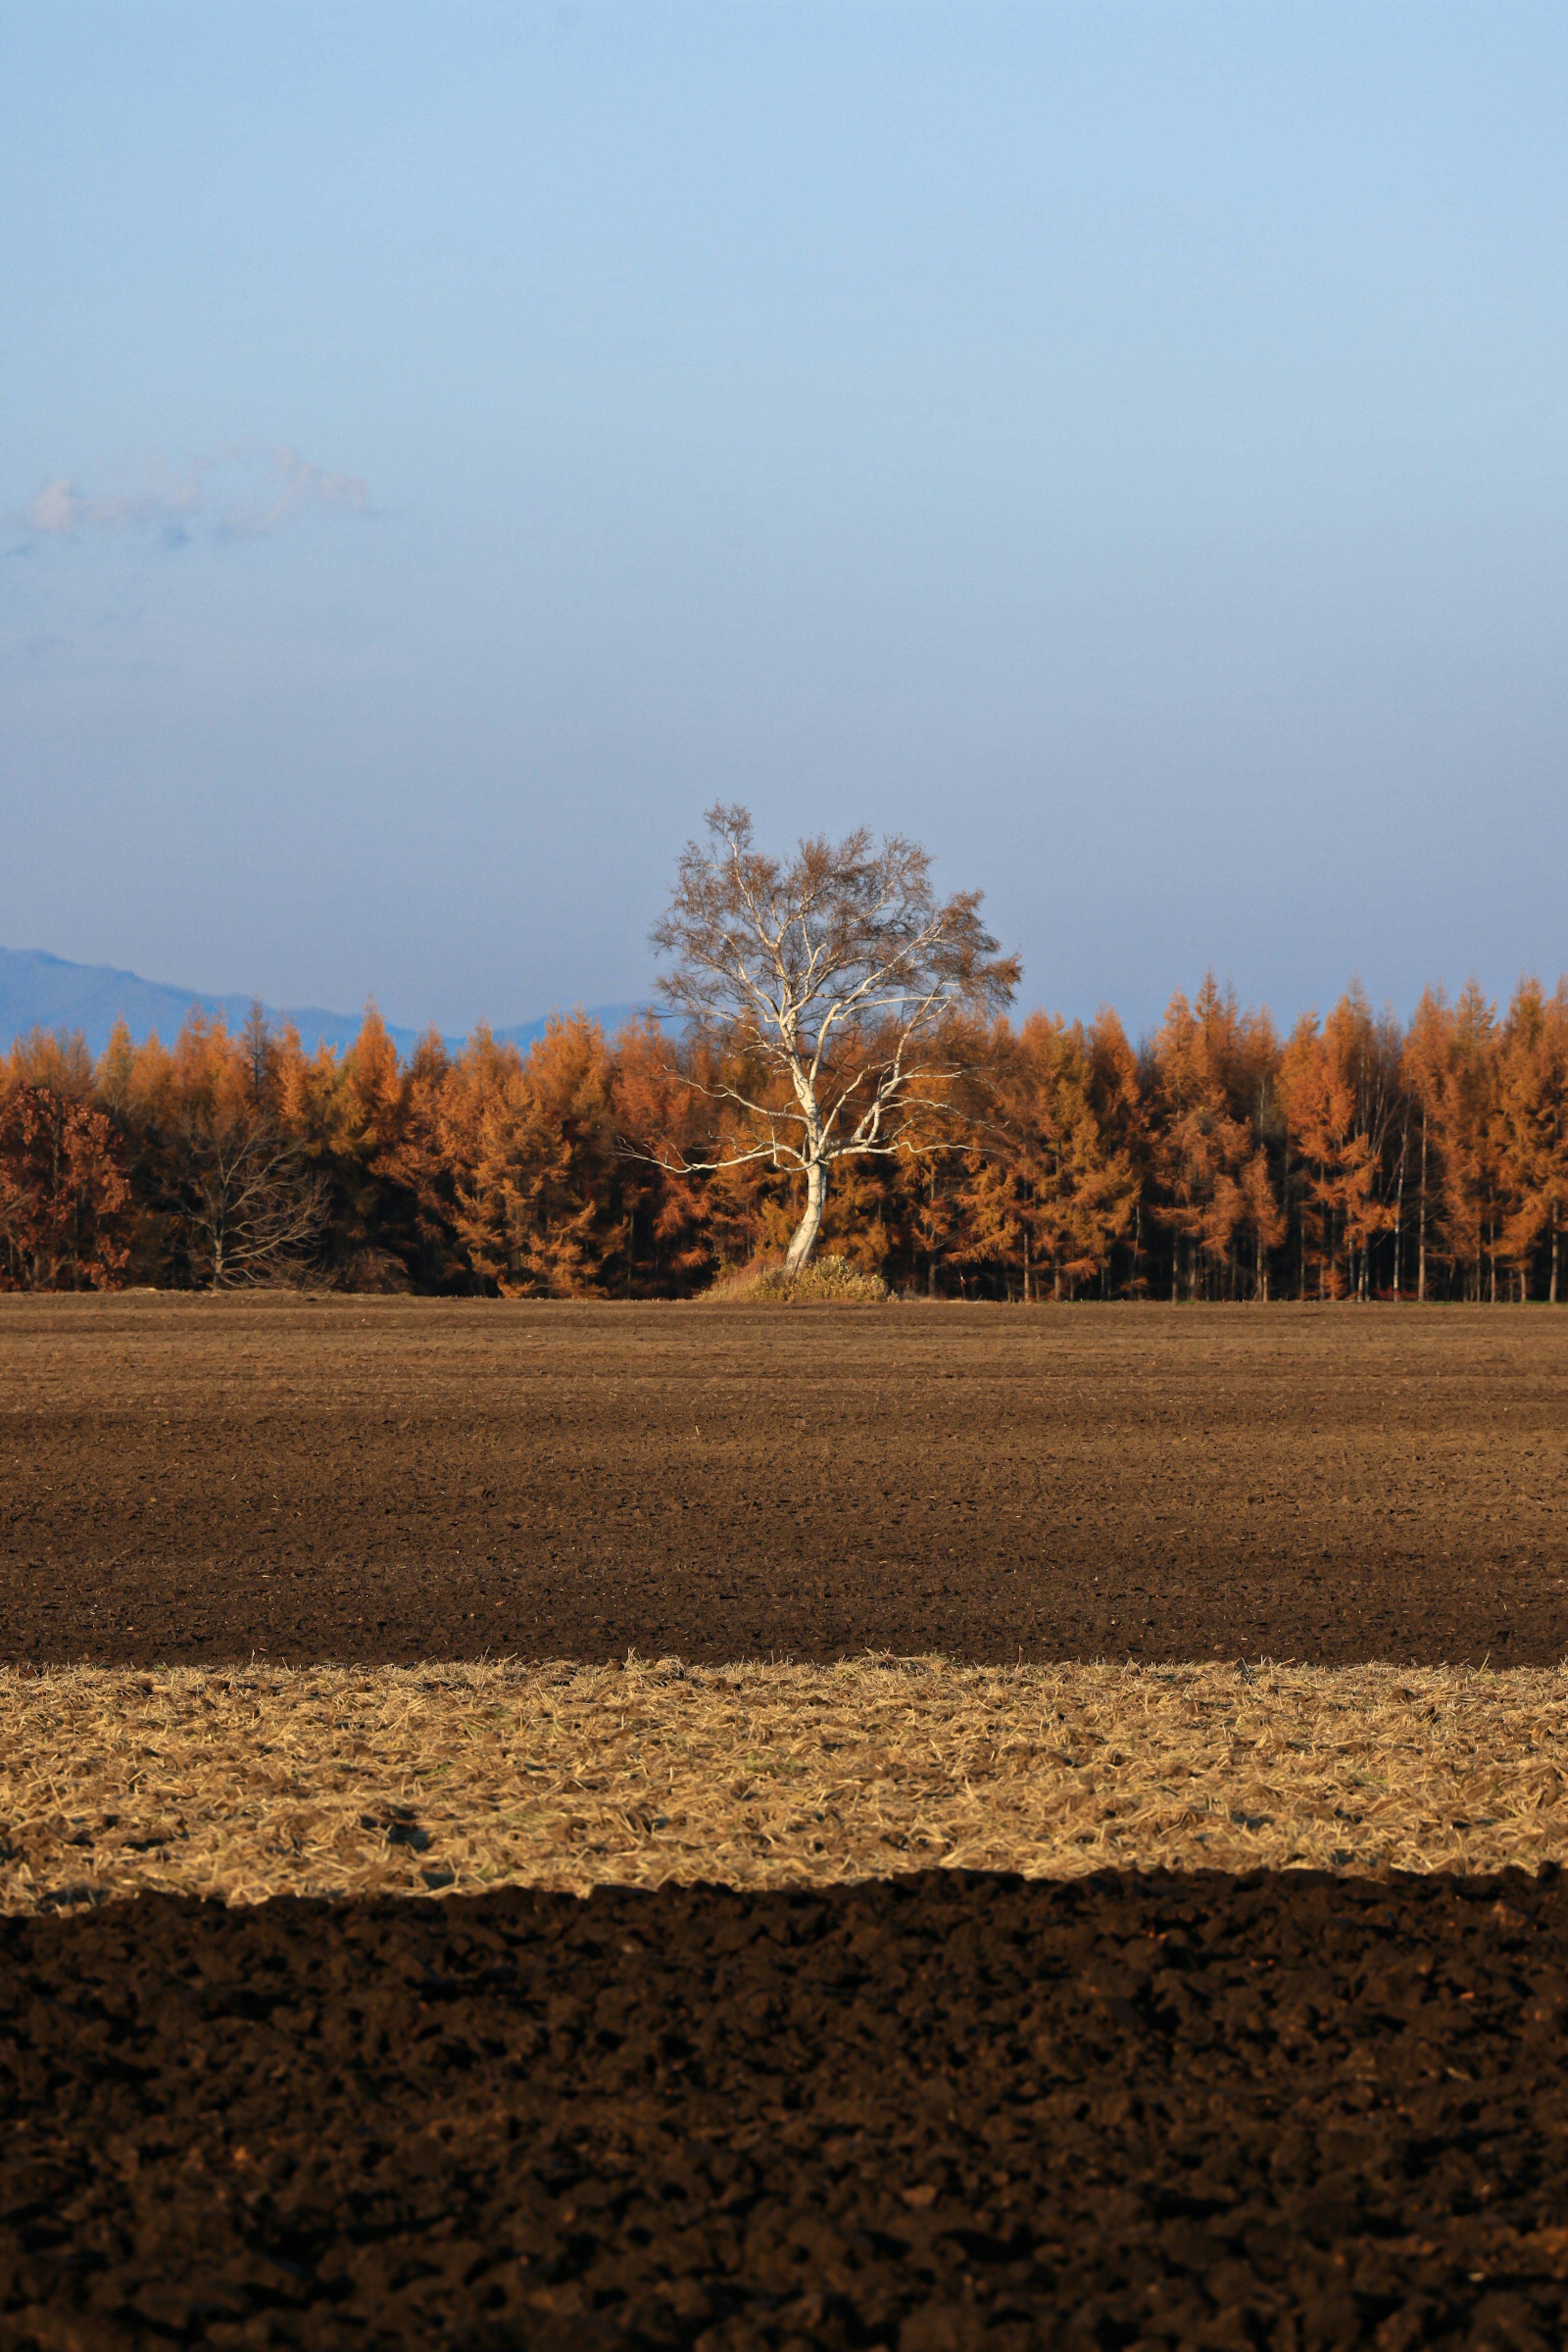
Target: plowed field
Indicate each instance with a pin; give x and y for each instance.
(386, 1481)
(936, 2112)
(1295, 2108)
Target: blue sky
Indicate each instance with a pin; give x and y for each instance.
(446, 447)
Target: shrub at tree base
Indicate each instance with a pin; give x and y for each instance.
(832, 1281)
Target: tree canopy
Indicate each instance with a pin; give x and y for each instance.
(837, 982)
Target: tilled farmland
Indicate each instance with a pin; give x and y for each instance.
(543, 1825)
(389, 1481)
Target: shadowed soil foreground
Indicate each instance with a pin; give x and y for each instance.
(389, 1480)
(941, 2111)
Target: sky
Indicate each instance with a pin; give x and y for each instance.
(446, 447)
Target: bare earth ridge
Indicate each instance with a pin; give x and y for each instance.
(380, 1481)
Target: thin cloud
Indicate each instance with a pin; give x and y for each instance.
(247, 490)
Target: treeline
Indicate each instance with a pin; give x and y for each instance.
(1352, 1158)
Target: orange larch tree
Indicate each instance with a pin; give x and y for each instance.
(1210, 1068)
(537, 1206)
(1450, 1057)
(1527, 1132)
(67, 1213)
(1341, 1096)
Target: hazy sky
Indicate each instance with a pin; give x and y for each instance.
(445, 447)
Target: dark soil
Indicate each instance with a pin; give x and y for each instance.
(379, 1480)
(941, 2111)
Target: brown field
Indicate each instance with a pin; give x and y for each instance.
(385, 1481)
(316, 1608)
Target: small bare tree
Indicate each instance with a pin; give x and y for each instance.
(253, 1210)
(836, 974)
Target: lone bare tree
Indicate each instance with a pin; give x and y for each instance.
(253, 1210)
(834, 973)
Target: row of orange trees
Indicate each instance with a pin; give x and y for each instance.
(1353, 1157)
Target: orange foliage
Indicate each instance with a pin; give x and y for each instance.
(1353, 1160)
(66, 1207)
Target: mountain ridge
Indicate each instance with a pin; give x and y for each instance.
(40, 991)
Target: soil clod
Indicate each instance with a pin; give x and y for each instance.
(1288, 2111)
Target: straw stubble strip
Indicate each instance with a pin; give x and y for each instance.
(247, 1783)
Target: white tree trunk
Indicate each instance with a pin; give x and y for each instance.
(810, 1226)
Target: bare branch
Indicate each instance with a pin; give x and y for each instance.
(253, 1212)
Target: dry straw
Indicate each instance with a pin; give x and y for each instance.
(257, 1781)
(825, 1281)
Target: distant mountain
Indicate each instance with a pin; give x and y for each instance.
(45, 991)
